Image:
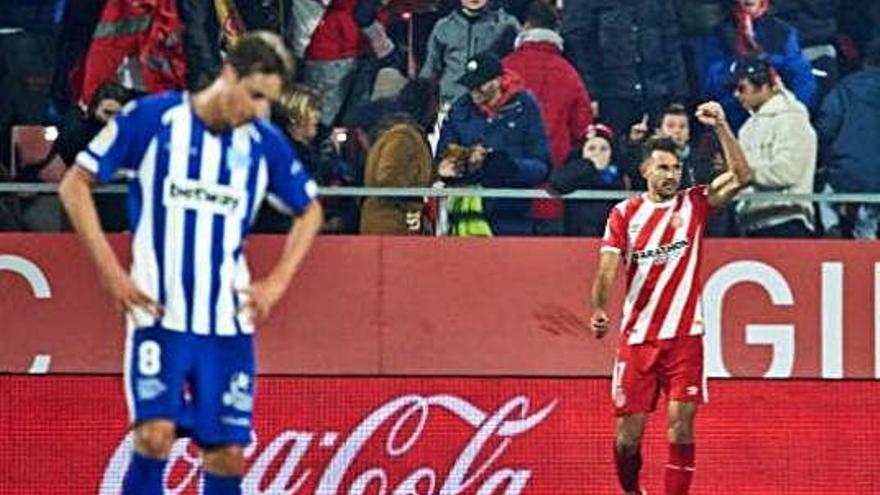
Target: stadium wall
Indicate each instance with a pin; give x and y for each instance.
(424, 306)
(461, 366)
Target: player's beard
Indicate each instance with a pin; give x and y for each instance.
(666, 189)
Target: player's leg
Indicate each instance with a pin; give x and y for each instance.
(223, 469)
(680, 434)
(154, 369)
(224, 397)
(683, 366)
(628, 451)
(634, 391)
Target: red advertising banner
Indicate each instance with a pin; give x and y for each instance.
(450, 436)
(425, 306)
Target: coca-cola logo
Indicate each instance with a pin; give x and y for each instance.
(276, 467)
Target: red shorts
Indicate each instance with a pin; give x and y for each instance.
(642, 371)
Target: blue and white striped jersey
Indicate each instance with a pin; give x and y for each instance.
(193, 197)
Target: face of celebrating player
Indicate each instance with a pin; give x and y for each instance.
(249, 97)
(662, 172)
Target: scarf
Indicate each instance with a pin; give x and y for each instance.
(511, 84)
(745, 27)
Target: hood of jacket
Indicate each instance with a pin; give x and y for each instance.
(539, 35)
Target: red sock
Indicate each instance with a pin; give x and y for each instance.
(680, 468)
(629, 463)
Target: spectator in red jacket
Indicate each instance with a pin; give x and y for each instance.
(562, 97)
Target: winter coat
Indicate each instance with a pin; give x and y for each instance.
(715, 53)
(306, 17)
(814, 20)
(520, 157)
(401, 157)
(564, 101)
(780, 146)
(849, 130)
(456, 38)
(337, 36)
(582, 217)
(629, 50)
(144, 40)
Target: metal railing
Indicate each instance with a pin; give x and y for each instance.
(439, 192)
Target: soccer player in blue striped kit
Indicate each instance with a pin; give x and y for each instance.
(201, 165)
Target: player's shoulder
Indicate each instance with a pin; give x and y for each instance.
(150, 108)
(626, 207)
(267, 133)
(698, 193)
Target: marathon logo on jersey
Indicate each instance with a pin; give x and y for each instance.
(194, 195)
(661, 254)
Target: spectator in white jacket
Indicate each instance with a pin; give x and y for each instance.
(781, 148)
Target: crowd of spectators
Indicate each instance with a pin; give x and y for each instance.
(535, 94)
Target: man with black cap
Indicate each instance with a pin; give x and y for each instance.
(780, 145)
(476, 26)
(500, 125)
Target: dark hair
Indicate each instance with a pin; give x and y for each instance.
(420, 99)
(754, 67)
(110, 90)
(542, 15)
(261, 52)
(660, 143)
(872, 53)
(676, 109)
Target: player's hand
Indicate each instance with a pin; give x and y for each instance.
(711, 114)
(599, 323)
(260, 298)
(127, 295)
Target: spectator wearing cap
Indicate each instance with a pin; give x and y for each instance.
(629, 53)
(780, 145)
(849, 133)
(474, 28)
(564, 101)
(592, 167)
(750, 29)
(500, 125)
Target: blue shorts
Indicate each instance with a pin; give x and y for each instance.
(203, 383)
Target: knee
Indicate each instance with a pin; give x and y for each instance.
(628, 443)
(154, 438)
(680, 431)
(225, 460)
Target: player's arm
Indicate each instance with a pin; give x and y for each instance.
(75, 192)
(602, 286)
(738, 174)
(264, 293)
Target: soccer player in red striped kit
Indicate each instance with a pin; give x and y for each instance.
(658, 235)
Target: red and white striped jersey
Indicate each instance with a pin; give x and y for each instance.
(661, 247)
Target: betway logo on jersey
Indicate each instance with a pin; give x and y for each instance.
(661, 254)
(195, 195)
